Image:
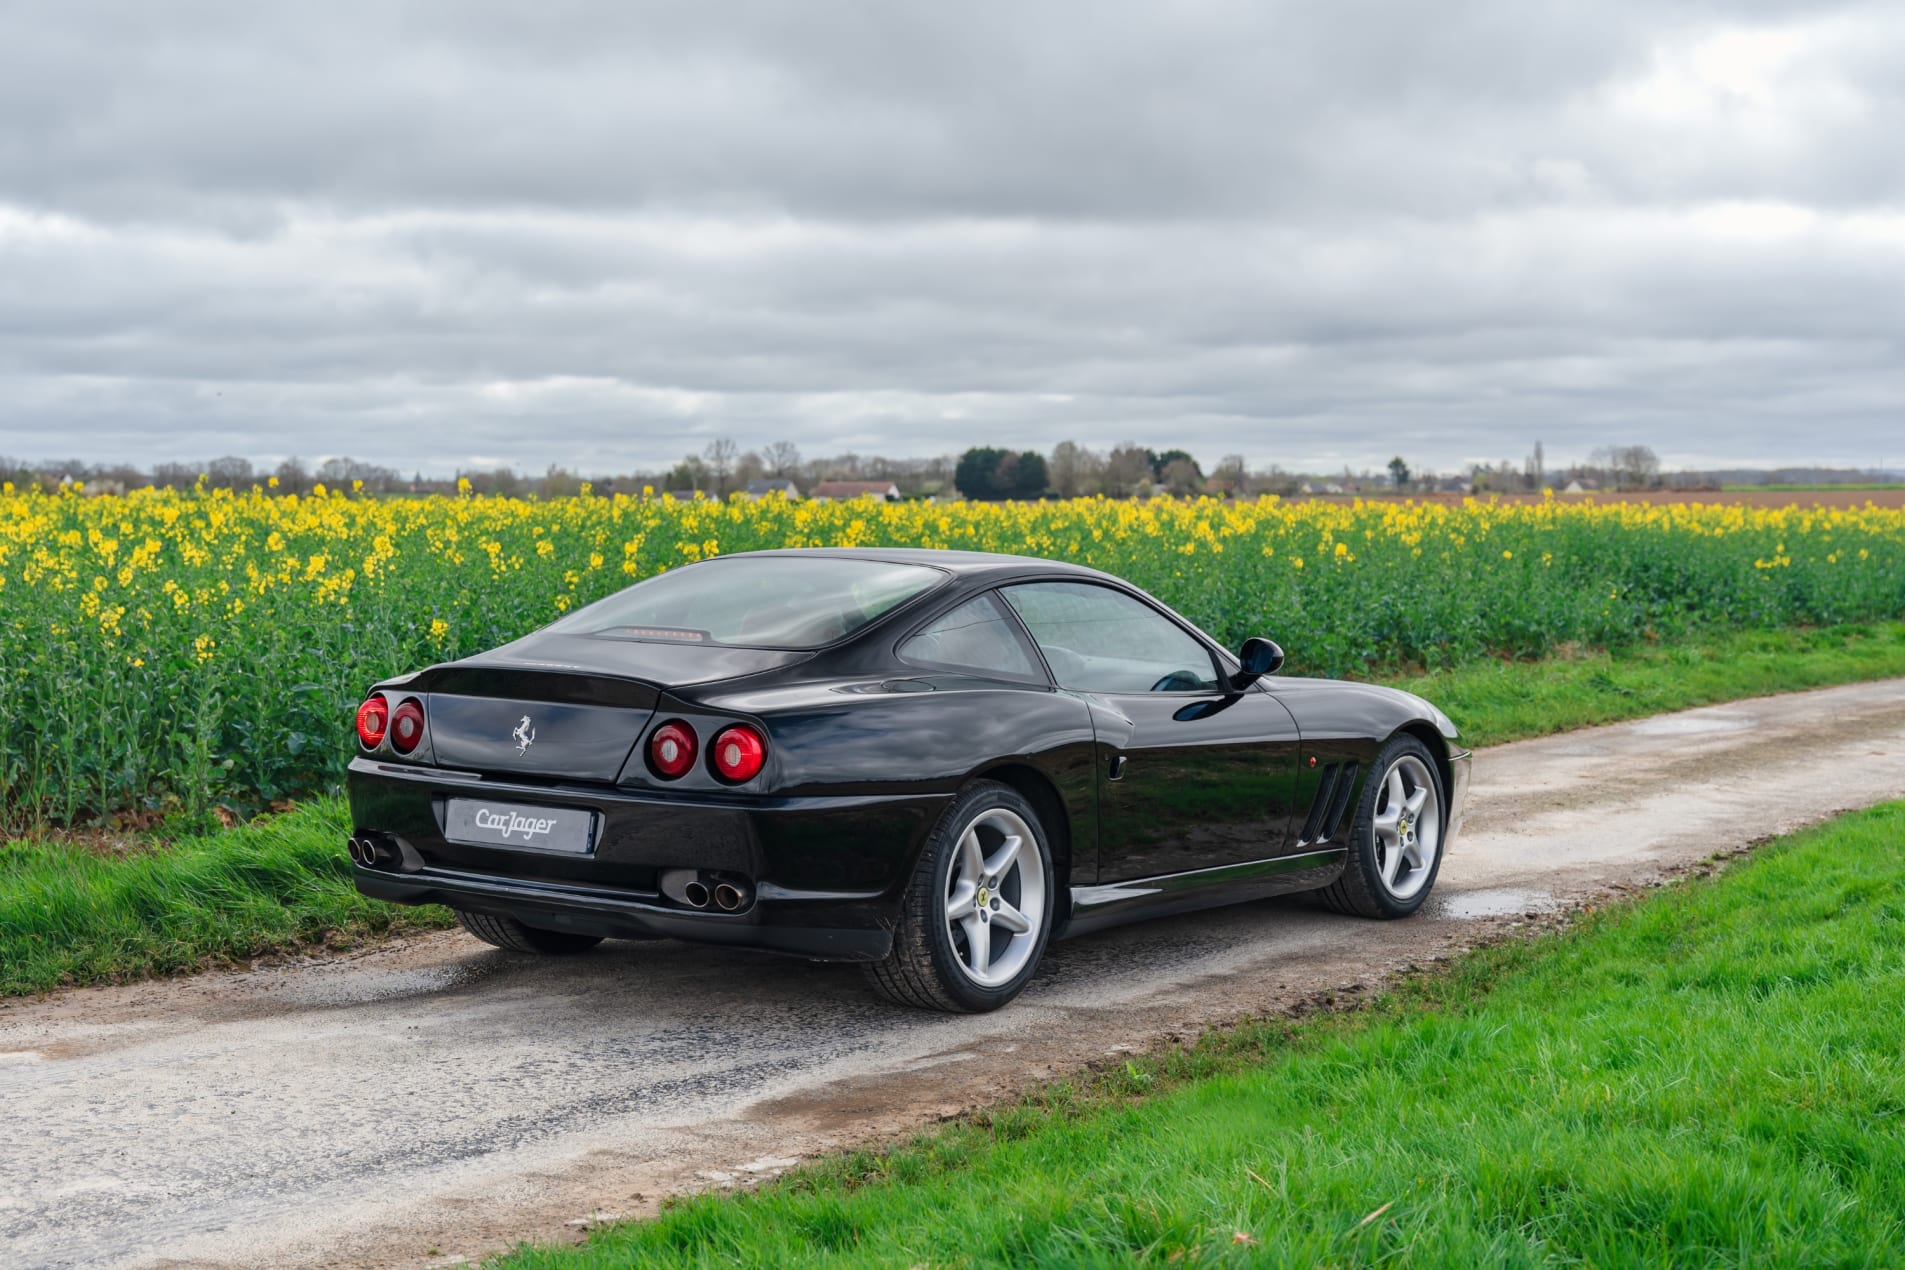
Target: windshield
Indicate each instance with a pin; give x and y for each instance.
(754, 602)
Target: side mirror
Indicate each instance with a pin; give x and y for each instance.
(1260, 657)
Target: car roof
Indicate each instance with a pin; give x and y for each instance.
(973, 565)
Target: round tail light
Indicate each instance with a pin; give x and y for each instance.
(373, 720)
(406, 726)
(739, 752)
(671, 750)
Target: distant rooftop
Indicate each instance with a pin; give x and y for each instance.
(855, 489)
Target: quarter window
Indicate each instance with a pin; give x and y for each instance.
(1096, 639)
(977, 636)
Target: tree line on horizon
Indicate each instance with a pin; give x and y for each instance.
(988, 473)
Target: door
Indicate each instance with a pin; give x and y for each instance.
(1192, 774)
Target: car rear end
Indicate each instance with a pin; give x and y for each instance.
(573, 781)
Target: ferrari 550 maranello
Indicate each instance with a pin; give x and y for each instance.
(929, 762)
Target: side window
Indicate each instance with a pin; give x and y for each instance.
(978, 636)
(1099, 640)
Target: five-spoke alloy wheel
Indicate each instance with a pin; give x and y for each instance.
(1395, 844)
(979, 909)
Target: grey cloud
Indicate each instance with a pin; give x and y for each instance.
(604, 233)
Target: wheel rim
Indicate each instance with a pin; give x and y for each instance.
(1408, 827)
(995, 898)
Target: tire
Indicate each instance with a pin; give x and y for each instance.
(1367, 887)
(933, 964)
(507, 932)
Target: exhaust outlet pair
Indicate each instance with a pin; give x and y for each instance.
(368, 853)
(725, 896)
(704, 891)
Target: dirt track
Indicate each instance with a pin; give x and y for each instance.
(436, 1098)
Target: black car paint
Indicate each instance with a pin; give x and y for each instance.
(1209, 799)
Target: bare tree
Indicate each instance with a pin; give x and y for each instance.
(1277, 481)
(292, 476)
(782, 459)
(1638, 465)
(749, 467)
(1232, 475)
(719, 457)
(1626, 466)
(174, 475)
(228, 472)
(1074, 471)
(560, 482)
(1181, 477)
(1128, 470)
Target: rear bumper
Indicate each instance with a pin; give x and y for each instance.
(827, 872)
(833, 931)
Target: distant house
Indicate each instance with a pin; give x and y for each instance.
(1580, 485)
(761, 489)
(828, 491)
(685, 495)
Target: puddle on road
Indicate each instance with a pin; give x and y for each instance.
(1681, 725)
(1500, 902)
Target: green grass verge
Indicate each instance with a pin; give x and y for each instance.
(71, 916)
(1712, 1077)
(1508, 701)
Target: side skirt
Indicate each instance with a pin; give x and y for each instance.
(1097, 907)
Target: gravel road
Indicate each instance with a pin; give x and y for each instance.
(435, 1098)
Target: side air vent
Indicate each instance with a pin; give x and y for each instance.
(1339, 800)
(1333, 791)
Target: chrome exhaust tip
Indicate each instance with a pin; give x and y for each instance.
(729, 897)
(696, 893)
(356, 850)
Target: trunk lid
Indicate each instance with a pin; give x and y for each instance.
(564, 706)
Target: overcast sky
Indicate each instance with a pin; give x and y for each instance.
(603, 234)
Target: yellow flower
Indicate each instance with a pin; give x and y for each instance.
(438, 629)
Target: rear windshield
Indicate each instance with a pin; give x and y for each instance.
(754, 602)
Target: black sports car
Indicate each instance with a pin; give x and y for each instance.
(931, 762)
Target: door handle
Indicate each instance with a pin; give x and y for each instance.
(1117, 767)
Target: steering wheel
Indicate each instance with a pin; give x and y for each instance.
(1178, 681)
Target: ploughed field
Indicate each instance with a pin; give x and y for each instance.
(166, 653)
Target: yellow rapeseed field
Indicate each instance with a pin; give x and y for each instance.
(205, 646)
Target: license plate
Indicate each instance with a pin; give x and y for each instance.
(475, 822)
